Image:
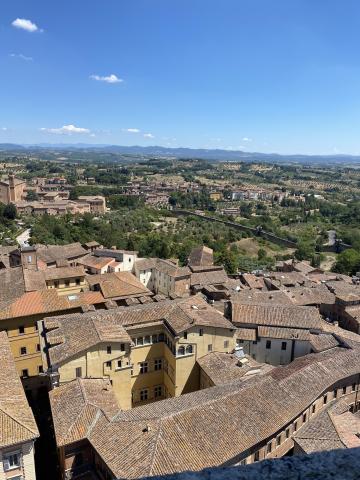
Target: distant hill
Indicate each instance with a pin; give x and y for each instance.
(211, 155)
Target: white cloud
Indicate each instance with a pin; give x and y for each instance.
(108, 79)
(66, 130)
(25, 24)
(246, 139)
(4, 129)
(148, 135)
(131, 130)
(21, 56)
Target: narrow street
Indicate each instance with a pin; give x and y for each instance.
(23, 238)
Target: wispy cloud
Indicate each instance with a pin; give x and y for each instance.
(21, 56)
(66, 130)
(131, 130)
(25, 24)
(246, 139)
(148, 135)
(107, 79)
(4, 129)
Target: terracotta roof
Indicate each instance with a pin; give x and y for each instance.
(252, 297)
(214, 426)
(48, 301)
(246, 333)
(284, 333)
(75, 407)
(319, 295)
(344, 292)
(288, 279)
(95, 262)
(80, 331)
(303, 267)
(145, 264)
(223, 368)
(169, 268)
(119, 284)
(209, 278)
(52, 253)
(276, 315)
(201, 256)
(63, 272)
(333, 428)
(253, 281)
(34, 280)
(323, 341)
(77, 333)
(17, 423)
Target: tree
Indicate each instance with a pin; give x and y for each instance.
(10, 211)
(31, 196)
(305, 251)
(348, 262)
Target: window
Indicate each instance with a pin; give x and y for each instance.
(283, 345)
(254, 342)
(344, 390)
(335, 393)
(287, 433)
(119, 363)
(23, 351)
(210, 348)
(77, 281)
(158, 364)
(295, 426)
(29, 259)
(269, 448)
(36, 326)
(40, 369)
(201, 332)
(154, 339)
(147, 340)
(243, 462)
(313, 408)
(25, 373)
(143, 395)
(304, 417)
(226, 343)
(140, 341)
(325, 399)
(38, 347)
(181, 351)
(161, 337)
(21, 330)
(158, 391)
(189, 349)
(11, 460)
(256, 456)
(108, 349)
(67, 283)
(78, 372)
(278, 440)
(122, 347)
(185, 335)
(353, 387)
(108, 364)
(239, 341)
(56, 284)
(143, 367)
(268, 344)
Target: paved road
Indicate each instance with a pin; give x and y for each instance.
(23, 238)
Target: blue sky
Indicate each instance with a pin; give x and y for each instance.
(257, 75)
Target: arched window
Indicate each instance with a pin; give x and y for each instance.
(181, 351)
(189, 349)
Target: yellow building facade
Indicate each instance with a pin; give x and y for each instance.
(156, 363)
